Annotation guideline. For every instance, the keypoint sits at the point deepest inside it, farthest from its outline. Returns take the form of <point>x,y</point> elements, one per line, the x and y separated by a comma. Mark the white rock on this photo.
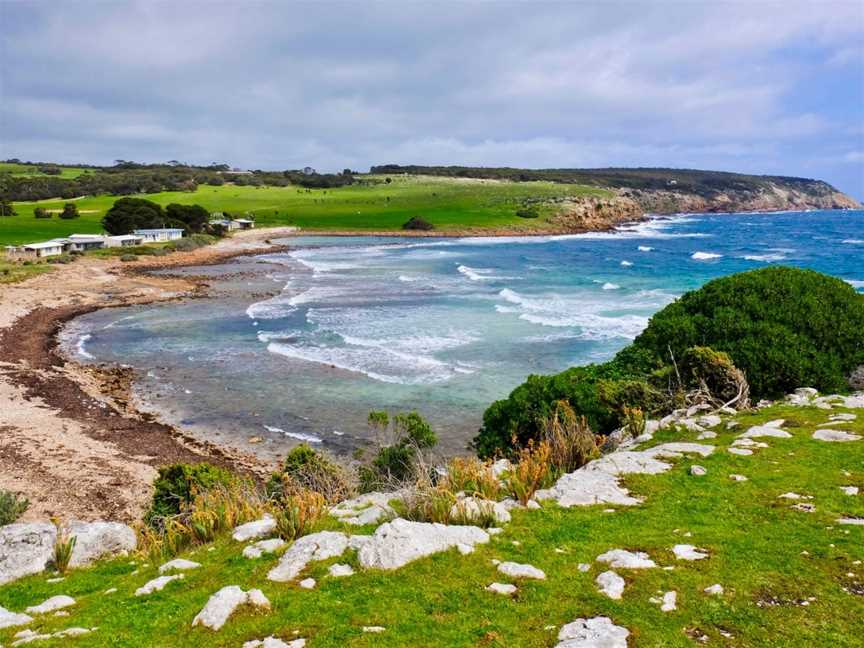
<point>339,570</point>
<point>698,470</point>
<point>50,605</point>
<point>584,567</point>
<point>178,564</point>
<point>709,420</point>
<point>472,509</point>
<point>256,529</point>
<point>357,542</point>
<point>501,588</point>
<point>397,543</point>
<point>464,549</point>
<point>623,559</point>
<point>95,540</point>
<point>9,619</point>
<point>708,434</point>
<point>669,602</point>
<point>223,603</point>
<point>598,632</point>
<point>307,583</point>
<point>676,449</point>
<point>688,552</point>
<point>743,452</point>
<point>851,520</point>
<point>274,642</point>
<point>586,488</point>
<point>738,478</point>
<point>836,436</point>
<point>369,508</point>
<point>748,443</point>
<point>258,549</point>
<point>843,417</point>
<point>110,590</point>
<point>156,584</point>
<point>610,584</point>
<point>715,590</point>
<point>60,579</point>
<point>374,629</point>
<point>25,549</point>
<point>792,496</point>
<point>770,429</point>
<point>849,490</point>
<point>500,467</point>
<point>310,548</point>
<point>518,570</point>
<point>533,505</point>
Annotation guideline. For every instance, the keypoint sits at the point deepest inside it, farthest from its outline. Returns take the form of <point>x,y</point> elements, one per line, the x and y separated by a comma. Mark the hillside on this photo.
<point>757,549</point>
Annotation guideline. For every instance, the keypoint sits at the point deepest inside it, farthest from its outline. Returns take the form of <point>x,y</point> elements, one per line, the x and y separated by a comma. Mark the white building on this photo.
<point>161,234</point>
<point>35,250</point>
<point>123,240</point>
<point>82,242</point>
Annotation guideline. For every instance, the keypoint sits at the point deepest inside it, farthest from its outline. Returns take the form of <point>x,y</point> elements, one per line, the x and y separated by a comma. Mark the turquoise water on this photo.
<point>302,345</point>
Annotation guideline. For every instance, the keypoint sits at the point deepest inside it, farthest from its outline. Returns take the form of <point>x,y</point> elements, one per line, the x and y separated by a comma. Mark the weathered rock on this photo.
<point>369,508</point>
<point>586,488</point>
<point>501,588</point>
<point>849,490</point>
<point>374,629</point>
<point>802,396</point>
<point>678,448</point>
<point>670,600</point>
<point>307,583</point>
<point>338,570</point>
<point>25,549</point>
<point>610,584</point>
<point>769,429</point>
<point>835,436</point>
<point>851,520</point>
<point>688,552</point>
<point>221,605</point>
<point>598,632</point>
<point>709,420</point>
<point>51,605</point>
<point>714,590</point>
<point>742,452</point>
<point>255,529</point>
<point>310,548</point>
<point>698,471</point>
<point>738,478</point>
<point>474,509</point>
<point>258,549</point>
<point>178,564</point>
<point>500,467</point>
<point>805,507</point>
<point>623,559</point>
<point>28,636</point>
<point>583,567</point>
<point>749,443</point>
<point>707,434</point>
<point>518,570</point>
<point>790,495</point>
<point>156,584</point>
<point>400,542</point>
<point>274,642</point>
<point>9,619</point>
<point>95,540</point>
<point>844,416</point>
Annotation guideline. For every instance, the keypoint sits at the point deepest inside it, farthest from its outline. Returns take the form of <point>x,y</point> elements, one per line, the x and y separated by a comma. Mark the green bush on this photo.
<point>528,212</point>
<point>12,506</point>
<point>128,257</point>
<point>177,484</point>
<point>417,223</point>
<point>704,367</point>
<point>401,438</point>
<point>306,469</point>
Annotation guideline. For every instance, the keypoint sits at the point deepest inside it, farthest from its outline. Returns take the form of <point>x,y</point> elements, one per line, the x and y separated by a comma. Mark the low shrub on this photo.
<point>531,472</point>
<point>128,257</point>
<point>712,372</point>
<point>528,212</point>
<point>296,514</point>
<point>472,476</point>
<point>41,212</point>
<point>426,502</point>
<point>417,223</point>
<point>305,469</point>
<point>177,485</point>
<point>401,441</point>
<point>12,506</point>
<point>571,442</point>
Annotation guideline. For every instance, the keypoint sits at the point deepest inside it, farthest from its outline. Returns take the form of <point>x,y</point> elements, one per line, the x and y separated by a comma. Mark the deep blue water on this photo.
<point>441,326</point>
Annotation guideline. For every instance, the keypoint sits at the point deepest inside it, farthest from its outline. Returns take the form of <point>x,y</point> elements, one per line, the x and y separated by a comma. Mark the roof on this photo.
<point>43,245</point>
<point>243,220</point>
<point>125,237</point>
<point>156,231</point>
<point>81,237</point>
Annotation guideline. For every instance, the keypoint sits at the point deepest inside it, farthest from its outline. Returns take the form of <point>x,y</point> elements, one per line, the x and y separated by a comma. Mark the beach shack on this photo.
<point>243,223</point>
<point>35,250</point>
<point>83,242</point>
<point>158,235</point>
<point>124,240</point>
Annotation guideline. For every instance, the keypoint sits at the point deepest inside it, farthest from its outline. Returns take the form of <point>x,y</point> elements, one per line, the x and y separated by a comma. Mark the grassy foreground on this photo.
<point>784,570</point>
<point>371,205</point>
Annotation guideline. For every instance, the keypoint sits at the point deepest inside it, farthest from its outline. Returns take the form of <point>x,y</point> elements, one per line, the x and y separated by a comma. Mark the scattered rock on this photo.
<point>697,470</point>
<point>156,584</point>
<point>60,579</point>
<point>792,496</point>
<point>849,490</point>
<point>738,478</point>
<point>50,605</point>
<point>709,420</point>
<point>740,451</point>
<point>374,629</point>
<point>464,549</point>
<point>502,588</point>
<point>339,570</point>
<point>623,559</point>
<point>769,429</point>
<point>256,529</point>
<point>669,602</point>
<point>110,590</point>
<point>835,436</point>
<point>610,584</point>
<point>517,570</point>
<point>9,619</point>
<point>688,552</point>
<point>178,564</point>
<point>500,467</point>
<point>851,520</point>
<point>369,508</point>
<point>397,543</point>
<point>307,583</point>
<point>842,417</point>
<point>598,632</point>
<point>274,642</point>
<point>584,567</point>
<point>95,540</point>
<point>314,547</point>
<point>474,509</point>
<point>25,549</point>
<point>748,443</point>
<point>258,549</point>
<point>707,434</point>
<point>223,603</point>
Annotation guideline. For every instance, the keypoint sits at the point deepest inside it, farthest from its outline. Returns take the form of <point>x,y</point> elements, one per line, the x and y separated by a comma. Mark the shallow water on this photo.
<point>302,345</point>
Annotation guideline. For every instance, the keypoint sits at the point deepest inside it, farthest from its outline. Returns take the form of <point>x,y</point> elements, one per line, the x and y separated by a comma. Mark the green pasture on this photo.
<point>32,170</point>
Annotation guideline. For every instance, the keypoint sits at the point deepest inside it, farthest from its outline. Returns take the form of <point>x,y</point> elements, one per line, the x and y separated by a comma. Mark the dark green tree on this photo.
<point>128,214</point>
<point>70,211</point>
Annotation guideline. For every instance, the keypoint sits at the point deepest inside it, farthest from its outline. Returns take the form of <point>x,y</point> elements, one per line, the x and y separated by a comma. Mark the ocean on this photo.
<point>300,346</point>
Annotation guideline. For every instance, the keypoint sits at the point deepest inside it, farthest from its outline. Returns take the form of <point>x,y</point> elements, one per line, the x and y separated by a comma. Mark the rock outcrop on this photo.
<point>397,543</point>
<point>95,540</point>
<point>25,549</point>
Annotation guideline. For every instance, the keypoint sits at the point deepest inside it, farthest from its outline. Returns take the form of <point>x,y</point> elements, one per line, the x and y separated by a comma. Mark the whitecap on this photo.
<point>855,283</point>
<point>610,286</point>
<point>626,263</point>
<point>853,241</point>
<point>475,274</point>
<point>767,258</point>
<point>704,256</point>
<point>82,341</point>
<point>309,438</point>
<point>645,248</point>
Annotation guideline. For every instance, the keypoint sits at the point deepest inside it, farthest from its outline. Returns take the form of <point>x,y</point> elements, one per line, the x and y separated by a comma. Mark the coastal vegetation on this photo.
<point>12,506</point>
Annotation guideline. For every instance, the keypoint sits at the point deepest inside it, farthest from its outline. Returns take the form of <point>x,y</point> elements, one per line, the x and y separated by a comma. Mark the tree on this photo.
<point>41,212</point>
<point>70,211</point>
<point>128,214</point>
<point>194,218</point>
<point>6,208</point>
<point>50,170</point>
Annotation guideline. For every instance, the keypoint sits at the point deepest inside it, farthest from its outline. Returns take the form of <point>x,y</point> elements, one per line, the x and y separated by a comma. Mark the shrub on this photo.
<point>571,442</point>
<point>41,212</point>
<point>417,223</point>
<point>305,469</point>
<point>528,212</point>
<point>177,485</point>
<point>401,440</point>
<point>296,514</point>
<point>712,372</point>
<point>472,476</point>
<point>128,257</point>
<point>12,506</point>
<point>70,211</point>
<point>531,472</point>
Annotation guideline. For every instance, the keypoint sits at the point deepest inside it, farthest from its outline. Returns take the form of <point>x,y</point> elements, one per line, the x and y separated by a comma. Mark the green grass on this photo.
<point>446,203</point>
<point>32,170</point>
<point>756,544</point>
<point>13,272</point>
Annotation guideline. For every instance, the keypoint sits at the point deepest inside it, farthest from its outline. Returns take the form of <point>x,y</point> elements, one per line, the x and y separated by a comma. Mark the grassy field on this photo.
<point>32,170</point>
<point>14,272</point>
<point>447,203</point>
<point>791,578</point>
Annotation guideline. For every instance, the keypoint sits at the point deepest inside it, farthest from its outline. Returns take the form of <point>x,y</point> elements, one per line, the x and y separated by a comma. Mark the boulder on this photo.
<point>598,632</point>
<point>369,508</point>
<point>25,549</point>
<point>221,605</point>
<point>51,605</point>
<point>256,529</point>
<point>505,589</point>
<point>310,548</point>
<point>94,540</point>
<point>623,559</point>
<point>156,584</point>
<point>400,542</point>
<point>472,509</point>
<point>835,436</point>
<point>610,584</point>
<point>688,552</point>
<point>9,619</point>
<point>178,564</point>
<point>518,570</point>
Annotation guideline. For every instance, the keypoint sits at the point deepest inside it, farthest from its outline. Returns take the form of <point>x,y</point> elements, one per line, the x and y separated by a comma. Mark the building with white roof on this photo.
<point>161,234</point>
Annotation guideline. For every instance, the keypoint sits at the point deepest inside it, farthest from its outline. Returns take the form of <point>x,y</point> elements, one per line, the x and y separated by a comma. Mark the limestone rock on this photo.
<point>623,559</point>
<point>400,542</point>
<point>708,434</point>
<point>769,429</point>
<point>307,583</point>
<point>9,619</point>
<point>258,549</point>
<point>844,416</point>
<point>738,478</point>
<point>95,540</point>
<point>714,590</point>
<point>374,629</point>
<point>610,584</point>
<point>502,588</point>
<point>688,552</point>
<point>25,549</point>
<point>669,602</point>
<point>52,604</point>
<point>518,570</point>
<point>836,436</point>
<point>709,420</point>
<point>849,490</point>
<point>586,488</point>
<point>314,547</point>
<point>156,584</point>
<point>221,605</point>
<point>678,448</point>
<point>472,509</point>
<point>500,467</point>
<point>851,520</point>
<point>338,571</point>
<point>178,564</point>
<point>698,470</point>
<point>598,632</point>
<point>369,508</point>
<point>274,642</point>
<point>742,452</point>
<point>255,529</point>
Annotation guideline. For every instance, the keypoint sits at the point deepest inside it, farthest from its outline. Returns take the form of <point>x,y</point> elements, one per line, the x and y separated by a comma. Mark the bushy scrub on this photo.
<point>401,440</point>
<point>177,485</point>
<point>12,506</point>
<point>305,469</point>
<point>703,368</point>
<point>417,223</point>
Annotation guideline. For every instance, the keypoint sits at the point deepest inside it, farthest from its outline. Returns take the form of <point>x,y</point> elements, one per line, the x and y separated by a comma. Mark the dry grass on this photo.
<point>473,476</point>
<point>571,442</point>
<point>532,472</point>
<point>296,515</point>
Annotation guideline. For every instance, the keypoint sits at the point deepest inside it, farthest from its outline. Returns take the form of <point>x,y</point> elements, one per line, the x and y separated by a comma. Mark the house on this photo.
<point>124,240</point>
<point>244,223</point>
<point>35,250</point>
<point>161,234</point>
<point>82,242</point>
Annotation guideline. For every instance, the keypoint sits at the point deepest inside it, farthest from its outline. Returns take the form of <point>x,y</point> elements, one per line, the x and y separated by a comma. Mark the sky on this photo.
<point>756,87</point>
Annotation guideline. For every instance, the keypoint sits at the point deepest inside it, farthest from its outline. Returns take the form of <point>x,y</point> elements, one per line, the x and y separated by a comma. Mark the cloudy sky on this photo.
<point>744,86</point>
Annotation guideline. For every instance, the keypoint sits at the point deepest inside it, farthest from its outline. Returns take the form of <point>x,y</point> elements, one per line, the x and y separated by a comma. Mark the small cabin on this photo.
<point>35,250</point>
<point>83,242</point>
<point>123,240</point>
<point>159,235</point>
<point>244,223</point>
